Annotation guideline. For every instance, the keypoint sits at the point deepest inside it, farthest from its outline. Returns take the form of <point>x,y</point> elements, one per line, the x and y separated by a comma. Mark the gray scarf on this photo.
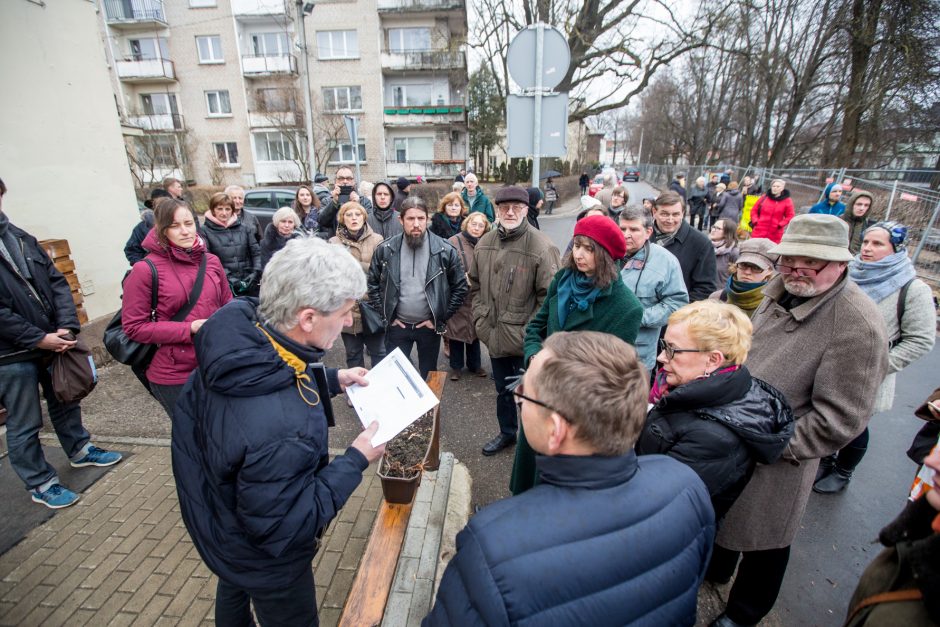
<point>10,249</point>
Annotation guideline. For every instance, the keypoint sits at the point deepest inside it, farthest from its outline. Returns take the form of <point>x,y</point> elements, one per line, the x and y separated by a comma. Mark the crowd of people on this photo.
<point>673,389</point>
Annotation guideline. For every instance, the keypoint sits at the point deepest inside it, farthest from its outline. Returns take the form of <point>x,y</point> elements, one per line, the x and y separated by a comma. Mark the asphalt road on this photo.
<point>828,556</point>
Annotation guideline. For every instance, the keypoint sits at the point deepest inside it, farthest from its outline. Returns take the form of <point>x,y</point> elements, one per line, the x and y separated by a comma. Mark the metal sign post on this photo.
<point>352,127</point>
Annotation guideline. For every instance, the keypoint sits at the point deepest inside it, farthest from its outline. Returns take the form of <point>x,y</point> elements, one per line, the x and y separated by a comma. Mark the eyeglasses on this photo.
<point>802,270</point>
<point>507,207</point>
<point>671,351</point>
<point>749,267</point>
<point>522,397</point>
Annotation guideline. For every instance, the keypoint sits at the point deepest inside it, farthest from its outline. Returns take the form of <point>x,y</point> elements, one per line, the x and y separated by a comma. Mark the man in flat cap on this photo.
<point>511,270</point>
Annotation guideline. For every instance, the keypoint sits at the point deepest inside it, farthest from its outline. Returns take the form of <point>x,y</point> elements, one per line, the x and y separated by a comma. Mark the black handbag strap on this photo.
<point>154,290</point>
<point>194,294</point>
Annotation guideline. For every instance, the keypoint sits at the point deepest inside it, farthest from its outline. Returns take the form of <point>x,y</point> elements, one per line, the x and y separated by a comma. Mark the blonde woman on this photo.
<point>285,226</point>
<point>460,333</point>
<point>451,211</point>
<point>708,411</point>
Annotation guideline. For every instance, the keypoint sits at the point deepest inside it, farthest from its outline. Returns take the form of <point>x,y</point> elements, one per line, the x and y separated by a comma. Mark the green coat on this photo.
<point>616,311</point>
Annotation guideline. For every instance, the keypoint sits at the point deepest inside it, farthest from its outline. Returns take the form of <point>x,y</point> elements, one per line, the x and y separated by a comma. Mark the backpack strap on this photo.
<point>154,289</point>
<point>902,297</point>
<point>194,293</point>
<point>894,596</point>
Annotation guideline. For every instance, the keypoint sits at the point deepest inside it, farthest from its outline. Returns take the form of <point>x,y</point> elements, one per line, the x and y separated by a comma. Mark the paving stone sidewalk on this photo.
<point>122,556</point>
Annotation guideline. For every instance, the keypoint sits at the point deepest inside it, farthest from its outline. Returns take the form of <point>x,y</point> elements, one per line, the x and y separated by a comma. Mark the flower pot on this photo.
<point>396,489</point>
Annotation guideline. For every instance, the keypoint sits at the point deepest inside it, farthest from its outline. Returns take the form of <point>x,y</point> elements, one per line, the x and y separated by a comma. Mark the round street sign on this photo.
<point>555,57</point>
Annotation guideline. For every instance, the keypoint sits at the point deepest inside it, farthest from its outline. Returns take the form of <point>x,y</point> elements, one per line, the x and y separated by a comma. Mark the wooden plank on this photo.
<point>436,379</point>
<point>82,314</point>
<point>72,278</point>
<point>56,248</point>
<point>77,297</point>
<point>365,604</point>
<point>65,266</point>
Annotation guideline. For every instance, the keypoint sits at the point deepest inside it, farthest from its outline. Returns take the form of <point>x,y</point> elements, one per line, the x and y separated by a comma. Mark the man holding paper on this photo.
<point>255,482</point>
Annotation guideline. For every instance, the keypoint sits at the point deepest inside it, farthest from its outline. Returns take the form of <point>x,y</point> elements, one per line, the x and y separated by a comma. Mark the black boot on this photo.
<point>834,482</point>
<point>826,464</point>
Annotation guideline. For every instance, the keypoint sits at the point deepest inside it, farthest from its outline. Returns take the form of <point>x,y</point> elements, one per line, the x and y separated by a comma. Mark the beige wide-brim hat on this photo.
<point>818,236</point>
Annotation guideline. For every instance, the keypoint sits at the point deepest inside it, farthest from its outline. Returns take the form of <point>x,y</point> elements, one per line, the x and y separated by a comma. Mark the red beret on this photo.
<point>605,232</point>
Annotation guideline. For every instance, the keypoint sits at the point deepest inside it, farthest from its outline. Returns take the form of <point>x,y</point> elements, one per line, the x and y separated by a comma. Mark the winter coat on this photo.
<point>584,180</point>
<point>442,226</point>
<point>654,275</point>
<point>616,311</point>
<point>910,339</point>
<point>176,274</point>
<point>460,326</point>
<point>730,204</point>
<point>696,257</point>
<point>604,195</point>
<point>724,257</point>
<point>698,200</point>
<point>910,561</point>
<point>480,203</point>
<point>238,251</point>
<point>255,481</point>
<point>826,206</point>
<point>251,224</point>
<point>362,250</point>
<point>858,225</point>
<point>330,209</point>
<point>445,287</point>
<point>676,187</point>
<point>273,242</point>
<point>509,278</point>
<point>770,216</point>
<point>827,355</point>
<point>133,249</point>
<point>24,320</point>
<point>385,222</point>
<point>601,541</point>
<point>721,427</point>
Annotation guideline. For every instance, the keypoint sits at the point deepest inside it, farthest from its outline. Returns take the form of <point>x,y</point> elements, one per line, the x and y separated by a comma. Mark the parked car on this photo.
<point>264,201</point>
<point>631,174</point>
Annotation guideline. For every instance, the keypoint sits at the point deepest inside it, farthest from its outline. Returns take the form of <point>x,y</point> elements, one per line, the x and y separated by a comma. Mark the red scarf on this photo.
<point>660,388</point>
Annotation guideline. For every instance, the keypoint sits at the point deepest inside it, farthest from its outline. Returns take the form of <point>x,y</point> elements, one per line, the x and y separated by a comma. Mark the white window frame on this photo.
<point>334,92</point>
<point>166,103</point>
<point>284,145</point>
<point>346,147</point>
<point>259,41</point>
<point>202,4</point>
<point>398,37</point>
<point>408,149</point>
<point>329,42</point>
<point>214,43</point>
<point>217,93</point>
<point>403,90</point>
<point>225,155</point>
<point>159,44</point>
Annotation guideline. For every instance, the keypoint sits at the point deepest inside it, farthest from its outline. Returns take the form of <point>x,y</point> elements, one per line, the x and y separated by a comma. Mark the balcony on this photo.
<point>268,65</point>
<point>158,121</point>
<point>415,6</point>
<point>275,119</point>
<point>424,60</point>
<point>134,70</point>
<point>426,169</point>
<point>135,14</point>
<point>425,116</point>
<point>259,8</point>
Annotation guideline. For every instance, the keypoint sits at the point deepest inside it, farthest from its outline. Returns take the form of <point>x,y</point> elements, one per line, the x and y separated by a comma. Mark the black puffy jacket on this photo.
<point>445,285</point>
<point>24,320</point>
<point>236,248</point>
<point>273,242</point>
<point>721,427</point>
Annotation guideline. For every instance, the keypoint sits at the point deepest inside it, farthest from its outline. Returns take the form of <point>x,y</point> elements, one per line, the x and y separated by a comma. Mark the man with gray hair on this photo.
<point>255,481</point>
<point>237,194</point>
<point>655,276</point>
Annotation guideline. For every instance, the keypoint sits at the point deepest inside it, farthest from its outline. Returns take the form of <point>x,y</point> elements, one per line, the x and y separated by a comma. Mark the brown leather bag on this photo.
<point>74,375</point>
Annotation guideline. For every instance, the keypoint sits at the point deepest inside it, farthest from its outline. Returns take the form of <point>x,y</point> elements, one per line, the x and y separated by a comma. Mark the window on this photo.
<point>414,149</point>
<point>337,44</point>
<point>226,153</point>
<point>199,4</point>
<point>274,146</point>
<point>150,48</point>
<point>342,98</point>
<point>218,102</point>
<point>409,39</point>
<point>343,153</point>
<point>210,49</point>
<point>157,150</point>
<point>275,99</point>
<point>269,44</point>
<point>158,104</point>
<point>412,95</point>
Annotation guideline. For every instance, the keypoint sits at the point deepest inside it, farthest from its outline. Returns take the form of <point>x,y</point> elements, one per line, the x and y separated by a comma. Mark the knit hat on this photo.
<point>511,193</point>
<point>535,195</point>
<point>402,183</point>
<point>756,251</point>
<point>158,192</point>
<point>602,230</point>
<point>589,202</point>
<point>815,235</point>
<point>320,178</point>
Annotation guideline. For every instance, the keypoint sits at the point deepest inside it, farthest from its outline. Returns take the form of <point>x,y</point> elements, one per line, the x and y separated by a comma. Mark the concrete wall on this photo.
<point>61,151</point>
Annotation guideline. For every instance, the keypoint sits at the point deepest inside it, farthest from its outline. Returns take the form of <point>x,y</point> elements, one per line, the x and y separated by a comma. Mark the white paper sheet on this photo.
<point>395,397</point>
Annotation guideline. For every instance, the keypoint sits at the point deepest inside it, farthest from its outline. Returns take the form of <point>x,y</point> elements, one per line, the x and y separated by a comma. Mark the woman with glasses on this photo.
<point>885,272</point>
<point>749,275</point>
<point>587,294</point>
<point>707,411</point>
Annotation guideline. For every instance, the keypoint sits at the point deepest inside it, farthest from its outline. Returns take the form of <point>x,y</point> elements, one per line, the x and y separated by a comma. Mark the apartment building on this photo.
<point>211,91</point>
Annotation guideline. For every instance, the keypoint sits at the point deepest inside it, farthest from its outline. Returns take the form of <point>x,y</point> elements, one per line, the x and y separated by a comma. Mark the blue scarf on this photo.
<point>880,279</point>
<point>575,289</point>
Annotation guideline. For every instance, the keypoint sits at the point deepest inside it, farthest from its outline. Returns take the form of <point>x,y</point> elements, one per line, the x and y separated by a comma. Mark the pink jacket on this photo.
<point>176,269</point>
<point>770,216</point>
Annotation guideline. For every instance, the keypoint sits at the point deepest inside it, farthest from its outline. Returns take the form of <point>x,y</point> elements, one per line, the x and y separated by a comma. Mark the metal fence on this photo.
<point>902,195</point>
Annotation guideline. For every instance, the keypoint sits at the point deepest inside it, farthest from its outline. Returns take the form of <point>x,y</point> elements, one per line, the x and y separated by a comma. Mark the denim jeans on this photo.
<point>457,351</point>
<point>19,393</point>
<point>294,605</point>
<point>166,395</point>
<point>504,368</point>
<point>428,341</point>
<point>354,345</point>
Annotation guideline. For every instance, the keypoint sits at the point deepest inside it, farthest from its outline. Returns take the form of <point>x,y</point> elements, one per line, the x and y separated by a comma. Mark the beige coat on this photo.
<point>509,278</point>
<point>460,325</point>
<point>362,250</point>
<point>828,356</point>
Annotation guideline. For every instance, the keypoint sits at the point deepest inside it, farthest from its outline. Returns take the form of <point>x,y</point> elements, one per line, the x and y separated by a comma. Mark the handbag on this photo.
<point>74,375</point>
<point>372,321</point>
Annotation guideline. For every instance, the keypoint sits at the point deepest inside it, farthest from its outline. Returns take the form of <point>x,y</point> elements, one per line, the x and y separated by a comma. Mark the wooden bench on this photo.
<point>365,604</point>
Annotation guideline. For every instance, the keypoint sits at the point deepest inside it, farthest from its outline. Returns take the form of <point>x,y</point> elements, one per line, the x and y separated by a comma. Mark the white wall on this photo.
<point>61,152</point>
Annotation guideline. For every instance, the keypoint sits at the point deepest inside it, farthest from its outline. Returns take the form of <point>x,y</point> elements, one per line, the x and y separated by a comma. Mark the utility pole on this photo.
<point>303,10</point>
<point>639,156</point>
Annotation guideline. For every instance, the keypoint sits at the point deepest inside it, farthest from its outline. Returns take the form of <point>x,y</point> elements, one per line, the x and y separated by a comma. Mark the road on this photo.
<point>828,556</point>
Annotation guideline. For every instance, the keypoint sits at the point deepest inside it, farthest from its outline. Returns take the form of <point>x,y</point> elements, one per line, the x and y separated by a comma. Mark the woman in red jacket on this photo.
<point>772,212</point>
<point>176,250</point>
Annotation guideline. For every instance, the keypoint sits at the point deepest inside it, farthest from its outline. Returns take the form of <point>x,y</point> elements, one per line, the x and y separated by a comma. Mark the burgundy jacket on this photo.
<point>177,270</point>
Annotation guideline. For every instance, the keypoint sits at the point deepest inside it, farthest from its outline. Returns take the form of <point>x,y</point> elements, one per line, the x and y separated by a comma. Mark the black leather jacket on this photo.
<point>445,287</point>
